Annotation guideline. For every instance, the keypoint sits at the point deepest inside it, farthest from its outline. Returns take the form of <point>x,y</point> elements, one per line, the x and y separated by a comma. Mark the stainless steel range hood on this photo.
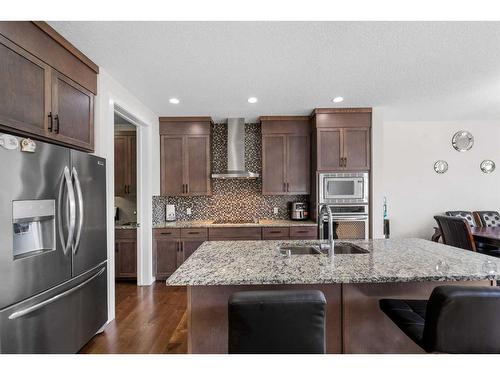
<point>235,151</point>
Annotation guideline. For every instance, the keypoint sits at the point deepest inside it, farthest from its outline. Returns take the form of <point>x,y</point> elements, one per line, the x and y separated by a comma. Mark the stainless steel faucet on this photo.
<point>331,241</point>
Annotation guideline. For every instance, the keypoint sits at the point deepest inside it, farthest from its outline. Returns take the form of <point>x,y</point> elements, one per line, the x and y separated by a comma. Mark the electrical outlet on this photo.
<point>275,210</point>
<point>188,211</point>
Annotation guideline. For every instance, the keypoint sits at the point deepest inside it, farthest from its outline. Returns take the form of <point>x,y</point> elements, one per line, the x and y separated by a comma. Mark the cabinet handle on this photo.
<point>51,122</point>
<point>345,161</point>
<point>275,231</point>
<point>284,186</point>
<point>166,233</point>
<point>287,187</point>
<point>56,119</point>
<point>193,232</point>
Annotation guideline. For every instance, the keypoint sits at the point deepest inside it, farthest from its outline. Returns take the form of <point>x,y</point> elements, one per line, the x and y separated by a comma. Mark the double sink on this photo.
<point>339,248</point>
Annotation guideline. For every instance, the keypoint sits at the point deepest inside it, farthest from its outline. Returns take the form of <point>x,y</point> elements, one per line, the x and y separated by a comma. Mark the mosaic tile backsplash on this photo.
<point>232,199</point>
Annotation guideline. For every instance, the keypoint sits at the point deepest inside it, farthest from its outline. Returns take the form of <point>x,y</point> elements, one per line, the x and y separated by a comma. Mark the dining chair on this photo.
<point>467,215</point>
<point>455,319</point>
<point>456,232</point>
<point>490,219</point>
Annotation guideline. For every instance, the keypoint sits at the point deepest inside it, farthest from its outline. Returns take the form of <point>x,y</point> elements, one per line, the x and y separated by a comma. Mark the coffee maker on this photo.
<point>298,211</point>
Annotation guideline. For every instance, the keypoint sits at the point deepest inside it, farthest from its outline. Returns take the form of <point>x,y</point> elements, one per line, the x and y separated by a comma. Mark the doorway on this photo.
<point>125,207</point>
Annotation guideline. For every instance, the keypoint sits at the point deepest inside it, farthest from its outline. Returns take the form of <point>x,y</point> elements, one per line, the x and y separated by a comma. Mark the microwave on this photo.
<point>340,188</point>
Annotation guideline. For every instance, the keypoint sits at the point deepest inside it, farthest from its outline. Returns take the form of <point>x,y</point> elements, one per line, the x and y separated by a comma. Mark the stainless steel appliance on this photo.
<point>298,211</point>
<point>349,222</point>
<point>343,188</point>
<point>236,167</point>
<point>53,257</point>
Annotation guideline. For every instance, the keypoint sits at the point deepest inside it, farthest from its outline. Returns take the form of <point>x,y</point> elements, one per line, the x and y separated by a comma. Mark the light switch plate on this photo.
<point>188,211</point>
<point>275,210</point>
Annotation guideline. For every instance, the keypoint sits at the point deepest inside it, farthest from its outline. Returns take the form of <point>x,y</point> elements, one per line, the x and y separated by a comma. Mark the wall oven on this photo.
<point>349,222</point>
<point>343,188</point>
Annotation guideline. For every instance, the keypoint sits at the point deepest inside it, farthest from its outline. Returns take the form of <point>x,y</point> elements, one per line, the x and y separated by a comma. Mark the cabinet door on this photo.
<point>132,164</point>
<point>171,160</point>
<point>73,109</point>
<point>121,164</point>
<point>329,149</point>
<point>188,248</point>
<point>298,164</point>
<point>126,260</point>
<point>197,164</point>
<point>356,148</point>
<point>273,164</point>
<point>24,90</point>
<point>166,257</point>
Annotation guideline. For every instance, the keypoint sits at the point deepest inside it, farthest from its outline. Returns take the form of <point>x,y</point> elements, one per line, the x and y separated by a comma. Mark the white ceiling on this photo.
<point>418,70</point>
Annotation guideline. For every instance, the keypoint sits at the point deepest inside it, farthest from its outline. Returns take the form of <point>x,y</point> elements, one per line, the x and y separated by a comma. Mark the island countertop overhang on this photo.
<point>391,260</point>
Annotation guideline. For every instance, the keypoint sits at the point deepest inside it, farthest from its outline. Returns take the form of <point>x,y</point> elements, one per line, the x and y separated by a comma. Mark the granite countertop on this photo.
<point>392,260</point>
<point>260,223</point>
<point>127,226</point>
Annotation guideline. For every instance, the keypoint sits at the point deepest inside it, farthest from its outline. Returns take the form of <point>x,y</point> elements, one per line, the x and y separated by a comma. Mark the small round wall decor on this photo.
<point>462,141</point>
<point>441,166</point>
<point>487,166</point>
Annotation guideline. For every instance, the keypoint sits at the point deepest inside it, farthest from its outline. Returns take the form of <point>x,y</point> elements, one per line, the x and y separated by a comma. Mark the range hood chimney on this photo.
<point>235,151</point>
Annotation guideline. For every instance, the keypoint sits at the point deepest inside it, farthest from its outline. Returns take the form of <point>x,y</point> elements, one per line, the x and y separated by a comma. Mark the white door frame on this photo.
<point>144,273</point>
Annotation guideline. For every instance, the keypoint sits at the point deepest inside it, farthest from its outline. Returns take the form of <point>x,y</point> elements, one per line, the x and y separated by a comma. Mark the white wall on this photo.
<point>110,92</point>
<point>404,153</point>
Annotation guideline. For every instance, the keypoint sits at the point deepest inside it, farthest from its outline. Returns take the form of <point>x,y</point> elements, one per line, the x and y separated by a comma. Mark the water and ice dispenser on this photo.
<point>33,227</point>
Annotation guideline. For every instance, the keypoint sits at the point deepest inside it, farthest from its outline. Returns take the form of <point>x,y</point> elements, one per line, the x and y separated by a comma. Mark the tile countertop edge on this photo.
<point>210,224</point>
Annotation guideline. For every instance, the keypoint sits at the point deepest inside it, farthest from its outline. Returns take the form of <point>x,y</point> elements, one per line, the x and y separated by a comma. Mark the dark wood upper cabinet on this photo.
<point>185,161</point>
<point>273,164</point>
<point>286,150</point>
<point>73,111</point>
<point>125,163</point>
<point>121,145</point>
<point>24,90</point>
<point>342,139</point>
<point>47,86</point>
<point>356,148</point>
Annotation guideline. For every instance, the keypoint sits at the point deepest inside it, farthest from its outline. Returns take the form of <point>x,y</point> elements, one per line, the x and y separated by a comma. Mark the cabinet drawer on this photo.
<point>166,233</point>
<point>275,233</point>
<point>234,234</point>
<point>195,233</point>
<point>299,233</point>
<point>125,233</point>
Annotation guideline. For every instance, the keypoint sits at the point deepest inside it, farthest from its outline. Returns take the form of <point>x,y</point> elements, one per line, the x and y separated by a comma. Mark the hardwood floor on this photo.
<point>149,319</point>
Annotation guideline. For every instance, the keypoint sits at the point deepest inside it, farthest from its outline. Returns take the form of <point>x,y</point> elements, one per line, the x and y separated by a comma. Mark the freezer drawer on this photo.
<point>60,320</point>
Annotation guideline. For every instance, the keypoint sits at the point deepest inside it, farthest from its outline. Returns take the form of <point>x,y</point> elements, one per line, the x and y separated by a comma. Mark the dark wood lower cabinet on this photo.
<point>125,254</point>
<point>172,247</point>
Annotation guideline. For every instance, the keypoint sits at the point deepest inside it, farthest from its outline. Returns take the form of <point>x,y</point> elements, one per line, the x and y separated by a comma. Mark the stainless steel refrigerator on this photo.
<point>53,259</point>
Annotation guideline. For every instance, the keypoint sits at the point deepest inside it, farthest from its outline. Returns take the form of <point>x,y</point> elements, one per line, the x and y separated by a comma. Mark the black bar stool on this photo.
<point>277,322</point>
<point>455,319</point>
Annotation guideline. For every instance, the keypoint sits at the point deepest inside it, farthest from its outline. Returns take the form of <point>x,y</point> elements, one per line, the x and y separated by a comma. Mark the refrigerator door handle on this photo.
<point>38,306</point>
<point>80,209</point>
<point>66,244</point>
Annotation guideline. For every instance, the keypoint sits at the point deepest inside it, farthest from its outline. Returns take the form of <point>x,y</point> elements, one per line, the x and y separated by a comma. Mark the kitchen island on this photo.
<point>352,284</point>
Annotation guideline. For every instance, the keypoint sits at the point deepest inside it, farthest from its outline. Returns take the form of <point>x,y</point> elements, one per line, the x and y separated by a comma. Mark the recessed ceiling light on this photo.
<point>174,101</point>
<point>338,99</point>
<point>252,100</point>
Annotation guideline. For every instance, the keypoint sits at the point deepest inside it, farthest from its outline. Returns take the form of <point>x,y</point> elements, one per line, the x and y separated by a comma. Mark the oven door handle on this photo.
<point>348,218</point>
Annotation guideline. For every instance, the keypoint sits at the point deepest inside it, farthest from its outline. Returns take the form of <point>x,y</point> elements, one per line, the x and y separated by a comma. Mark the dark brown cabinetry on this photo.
<point>125,163</point>
<point>185,149</point>
<point>171,247</point>
<point>46,88</point>
<point>234,234</point>
<point>285,155</point>
<point>125,254</point>
<point>342,139</point>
